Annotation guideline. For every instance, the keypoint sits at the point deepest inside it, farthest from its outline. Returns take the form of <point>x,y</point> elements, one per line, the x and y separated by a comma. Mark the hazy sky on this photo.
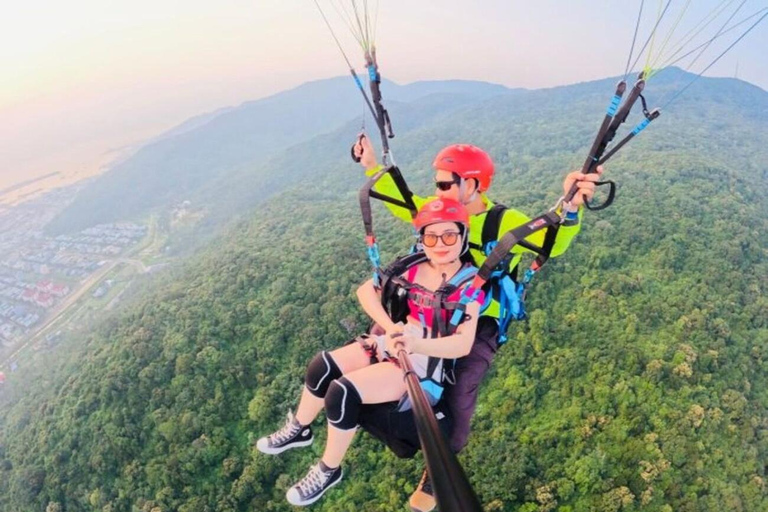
<point>82,77</point>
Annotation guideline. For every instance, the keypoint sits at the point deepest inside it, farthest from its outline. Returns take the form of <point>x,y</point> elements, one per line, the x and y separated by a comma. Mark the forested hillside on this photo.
<point>638,383</point>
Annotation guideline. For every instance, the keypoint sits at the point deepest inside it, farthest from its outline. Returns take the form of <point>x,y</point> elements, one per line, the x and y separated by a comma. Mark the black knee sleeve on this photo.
<point>322,370</point>
<point>342,404</point>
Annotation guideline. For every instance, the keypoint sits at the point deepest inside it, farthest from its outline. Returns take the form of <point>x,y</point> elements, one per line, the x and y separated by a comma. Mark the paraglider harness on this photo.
<point>393,423</point>
<point>503,285</point>
<point>397,291</point>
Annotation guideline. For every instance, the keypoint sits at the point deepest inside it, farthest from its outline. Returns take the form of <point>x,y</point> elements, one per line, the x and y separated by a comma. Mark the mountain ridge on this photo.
<point>637,383</point>
<point>206,148</point>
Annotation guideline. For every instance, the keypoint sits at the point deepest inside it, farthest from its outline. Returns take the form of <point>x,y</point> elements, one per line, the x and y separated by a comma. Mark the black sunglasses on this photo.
<point>445,186</point>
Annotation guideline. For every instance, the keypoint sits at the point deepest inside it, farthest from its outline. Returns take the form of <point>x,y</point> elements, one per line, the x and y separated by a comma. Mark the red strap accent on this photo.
<point>412,273</point>
<point>477,282</point>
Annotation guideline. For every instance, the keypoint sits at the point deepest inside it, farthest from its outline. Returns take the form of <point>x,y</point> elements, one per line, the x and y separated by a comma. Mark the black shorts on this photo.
<point>398,429</point>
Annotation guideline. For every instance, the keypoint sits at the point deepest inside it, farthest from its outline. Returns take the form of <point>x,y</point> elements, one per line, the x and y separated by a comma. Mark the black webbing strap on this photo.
<point>546,248</point>
<point>609,200</point>
<point>614,118</point>
<point>651,116</point>
<point>491,224</point>
<point>491,227</point>
<point>513,238</point>
<point>603,139</point>
<point>382,116</point>
<point>393,272</point>
<point>367,192</point>
<point>596,150</point>
<point>432,363</point>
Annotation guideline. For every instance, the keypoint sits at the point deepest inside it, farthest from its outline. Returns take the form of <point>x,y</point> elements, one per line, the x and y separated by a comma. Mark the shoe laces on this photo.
<point>314,480</point>
<point>288,431</point>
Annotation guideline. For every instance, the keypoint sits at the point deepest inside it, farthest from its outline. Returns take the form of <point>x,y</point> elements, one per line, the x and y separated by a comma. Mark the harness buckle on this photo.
<point>558,204</point>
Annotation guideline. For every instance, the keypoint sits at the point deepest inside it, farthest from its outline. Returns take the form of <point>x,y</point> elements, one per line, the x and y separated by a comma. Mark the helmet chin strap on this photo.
<point>464,241</point>
<point>462,191</point>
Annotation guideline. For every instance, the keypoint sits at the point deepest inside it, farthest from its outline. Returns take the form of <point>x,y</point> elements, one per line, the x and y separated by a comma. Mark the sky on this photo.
<point>85,81</point>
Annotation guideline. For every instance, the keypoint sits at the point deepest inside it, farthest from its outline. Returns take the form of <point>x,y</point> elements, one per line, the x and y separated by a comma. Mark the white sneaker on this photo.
<point>312,487</point>
<point>292,435</point>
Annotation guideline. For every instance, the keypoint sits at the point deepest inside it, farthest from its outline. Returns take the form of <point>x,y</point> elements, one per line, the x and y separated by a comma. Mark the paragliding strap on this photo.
<point>608,201</point>
<point>513,238</point>
<point>653,114</point>
<point>611,122</point>
<point>366,192</point>
<point>613,119</point>
<point>645,107</point>
<point>380,114</point>
<point>387,123</point>
<point>469,294</point>
<point>597,145</point>
<point>510,293</point>
<point>373,252</point>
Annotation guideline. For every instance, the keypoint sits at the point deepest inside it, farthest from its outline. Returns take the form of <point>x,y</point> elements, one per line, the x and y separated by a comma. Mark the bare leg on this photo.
<point>348,358</point>
<point>309,407</point>
<point>381,382</point>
